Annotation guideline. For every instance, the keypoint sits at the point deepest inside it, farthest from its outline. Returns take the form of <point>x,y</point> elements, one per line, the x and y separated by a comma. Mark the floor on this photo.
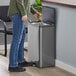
<point>31,71</point>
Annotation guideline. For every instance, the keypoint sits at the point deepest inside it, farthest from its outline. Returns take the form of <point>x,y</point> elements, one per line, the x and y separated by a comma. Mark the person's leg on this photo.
<point>17,36</point>
<point>21,60</point>
<point>21,48</point>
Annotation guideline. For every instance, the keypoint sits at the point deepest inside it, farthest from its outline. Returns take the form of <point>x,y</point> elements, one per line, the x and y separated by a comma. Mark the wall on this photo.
<point>65,34</point>
<point>6,2</point>
<point>32,1</point>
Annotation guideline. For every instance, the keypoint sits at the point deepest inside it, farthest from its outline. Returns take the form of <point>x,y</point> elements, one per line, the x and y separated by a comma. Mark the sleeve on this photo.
<point>21,6</point>
<point>32,11</point>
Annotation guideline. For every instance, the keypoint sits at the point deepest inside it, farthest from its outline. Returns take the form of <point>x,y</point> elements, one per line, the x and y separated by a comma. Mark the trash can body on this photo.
<point>41,44</point>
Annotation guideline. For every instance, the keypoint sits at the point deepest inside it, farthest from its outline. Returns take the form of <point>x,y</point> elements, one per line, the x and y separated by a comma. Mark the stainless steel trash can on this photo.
<point>41,44</point>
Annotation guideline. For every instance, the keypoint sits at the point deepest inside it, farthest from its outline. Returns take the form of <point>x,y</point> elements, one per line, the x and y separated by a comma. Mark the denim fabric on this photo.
<point>17,45</point>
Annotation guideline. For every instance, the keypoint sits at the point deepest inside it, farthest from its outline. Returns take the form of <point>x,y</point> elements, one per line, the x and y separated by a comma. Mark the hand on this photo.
<point>37,15</point>
<point>24,18</point>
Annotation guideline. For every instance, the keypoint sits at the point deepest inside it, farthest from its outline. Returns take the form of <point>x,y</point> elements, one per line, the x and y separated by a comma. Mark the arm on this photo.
<point>21,5</point>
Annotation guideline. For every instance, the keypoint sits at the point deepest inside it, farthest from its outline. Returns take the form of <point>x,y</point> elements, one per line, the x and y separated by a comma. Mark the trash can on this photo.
<point>41,44</point>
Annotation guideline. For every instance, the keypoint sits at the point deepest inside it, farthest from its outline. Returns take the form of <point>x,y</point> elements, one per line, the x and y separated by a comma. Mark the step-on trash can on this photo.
<point>41,42</point>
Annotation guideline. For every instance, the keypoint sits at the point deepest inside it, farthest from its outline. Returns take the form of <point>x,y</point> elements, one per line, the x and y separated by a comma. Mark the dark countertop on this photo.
<point>69,3</point>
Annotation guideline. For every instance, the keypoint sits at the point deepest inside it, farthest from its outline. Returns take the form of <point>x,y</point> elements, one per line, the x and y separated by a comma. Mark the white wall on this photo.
<point>6,2</point>
<point>32,1</point>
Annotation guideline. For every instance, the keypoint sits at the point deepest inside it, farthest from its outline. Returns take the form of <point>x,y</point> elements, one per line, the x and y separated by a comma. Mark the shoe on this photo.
<point>16,69</point>
<point>25,64</point>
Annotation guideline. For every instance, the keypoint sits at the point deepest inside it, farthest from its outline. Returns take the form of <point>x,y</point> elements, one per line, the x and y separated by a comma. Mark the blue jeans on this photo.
<point>17,45</point>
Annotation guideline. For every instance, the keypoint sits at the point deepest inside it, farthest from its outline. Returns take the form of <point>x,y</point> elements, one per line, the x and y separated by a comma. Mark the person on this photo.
<point>18,12</point>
